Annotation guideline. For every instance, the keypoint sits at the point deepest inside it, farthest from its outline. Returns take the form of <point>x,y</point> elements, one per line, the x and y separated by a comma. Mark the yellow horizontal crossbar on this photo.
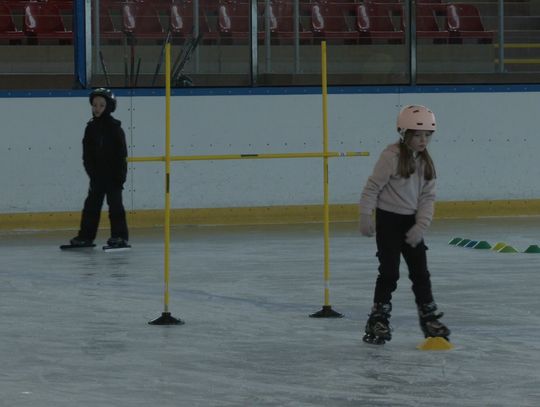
<point>331,154</point>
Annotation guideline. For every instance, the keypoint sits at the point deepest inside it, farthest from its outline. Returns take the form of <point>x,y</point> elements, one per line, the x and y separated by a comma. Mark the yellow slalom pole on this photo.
<point>166,318</point>
<point>167,236</point>
<point>326,311</point>
<point>325,177</point>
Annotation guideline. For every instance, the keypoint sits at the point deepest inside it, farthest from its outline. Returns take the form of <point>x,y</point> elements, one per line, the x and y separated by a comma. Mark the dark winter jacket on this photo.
<point>105,151</point>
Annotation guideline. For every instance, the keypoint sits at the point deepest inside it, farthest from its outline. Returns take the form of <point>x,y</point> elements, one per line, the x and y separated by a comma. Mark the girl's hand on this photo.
<point>414,236</point>
<point>367,225</point>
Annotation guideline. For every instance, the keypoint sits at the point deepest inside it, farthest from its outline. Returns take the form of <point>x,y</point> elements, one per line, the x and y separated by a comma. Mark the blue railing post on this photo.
<point>79,43</point>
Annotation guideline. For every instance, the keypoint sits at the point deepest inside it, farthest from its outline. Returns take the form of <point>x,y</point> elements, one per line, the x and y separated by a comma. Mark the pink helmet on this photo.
<point>415,117</point>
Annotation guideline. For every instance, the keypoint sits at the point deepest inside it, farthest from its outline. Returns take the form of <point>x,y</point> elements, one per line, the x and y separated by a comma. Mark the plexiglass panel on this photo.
<point>270,42</point>
<point>36,44</point>
<point>366,43</point>
<point>209,43</point>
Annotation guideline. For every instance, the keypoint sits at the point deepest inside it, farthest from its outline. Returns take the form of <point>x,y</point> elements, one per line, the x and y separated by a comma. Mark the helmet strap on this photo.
<point>402,141</point>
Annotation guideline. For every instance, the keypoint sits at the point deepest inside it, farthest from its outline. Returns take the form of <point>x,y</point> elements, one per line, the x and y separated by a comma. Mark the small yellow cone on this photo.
<point>507,249</point>
<point>498,246</point>
<point>436,343</point>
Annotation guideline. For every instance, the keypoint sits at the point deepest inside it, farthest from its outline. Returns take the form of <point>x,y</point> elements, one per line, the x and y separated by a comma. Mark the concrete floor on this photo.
<point>74,332</point>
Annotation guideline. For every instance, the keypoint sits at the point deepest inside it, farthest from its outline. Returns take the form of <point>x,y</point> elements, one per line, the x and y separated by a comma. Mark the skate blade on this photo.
<point>374,340</point>
<point>116,249</point>
<point>72,247</point>
<point>435,343</point>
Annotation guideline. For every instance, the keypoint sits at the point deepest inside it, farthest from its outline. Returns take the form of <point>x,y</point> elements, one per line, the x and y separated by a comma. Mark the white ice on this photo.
<point>74,332</point>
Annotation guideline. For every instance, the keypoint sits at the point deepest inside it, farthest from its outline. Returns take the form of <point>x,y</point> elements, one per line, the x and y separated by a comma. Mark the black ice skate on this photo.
<point>378,330</point>
<point>78,243</point>
<point>429,321</point>
<point>116,244</point>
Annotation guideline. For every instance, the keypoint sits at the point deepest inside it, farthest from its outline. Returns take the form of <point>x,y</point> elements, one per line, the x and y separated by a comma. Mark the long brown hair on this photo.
<point>407,164</point>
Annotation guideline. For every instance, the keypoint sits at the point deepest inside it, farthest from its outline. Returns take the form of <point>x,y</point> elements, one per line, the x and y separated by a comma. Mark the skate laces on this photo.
<point>432,317</point>
<point>435,323</point>
<point>429,312</point>
<point>382,327</point>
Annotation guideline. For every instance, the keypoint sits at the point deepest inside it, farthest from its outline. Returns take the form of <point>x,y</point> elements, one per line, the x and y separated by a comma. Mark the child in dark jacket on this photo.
<point>104,159</point>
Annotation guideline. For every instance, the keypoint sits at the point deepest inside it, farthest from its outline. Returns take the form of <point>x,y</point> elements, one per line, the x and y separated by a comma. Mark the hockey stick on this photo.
<point>180,57</point>
<point>104,67</point>
<point>137,73</point>
<point>185,55</point>
<point>126,74</point>
<point>160,60</point>
<point>177,73</point>
<point>132,61</point>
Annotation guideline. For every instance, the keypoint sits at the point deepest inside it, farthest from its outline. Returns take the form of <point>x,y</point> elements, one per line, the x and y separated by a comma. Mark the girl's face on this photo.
<point>98,105</point>
<point>419,139</point>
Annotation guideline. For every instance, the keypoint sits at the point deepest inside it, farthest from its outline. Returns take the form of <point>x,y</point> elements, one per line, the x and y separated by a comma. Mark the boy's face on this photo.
<point>98,105</point>
<point>419,140</point>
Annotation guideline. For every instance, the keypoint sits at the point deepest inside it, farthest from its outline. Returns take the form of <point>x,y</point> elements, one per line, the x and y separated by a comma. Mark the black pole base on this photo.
<point>166,319</point>
<point>326,312</point>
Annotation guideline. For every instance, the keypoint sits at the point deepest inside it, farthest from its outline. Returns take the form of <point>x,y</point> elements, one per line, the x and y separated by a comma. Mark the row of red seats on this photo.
<point>364,22</point>
<point>458,21</point>
<point>40,21</point>
<point>17,6</point>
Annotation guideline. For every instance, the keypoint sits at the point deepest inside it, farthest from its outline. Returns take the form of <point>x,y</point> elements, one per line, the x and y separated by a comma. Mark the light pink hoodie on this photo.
<point>387,190</point>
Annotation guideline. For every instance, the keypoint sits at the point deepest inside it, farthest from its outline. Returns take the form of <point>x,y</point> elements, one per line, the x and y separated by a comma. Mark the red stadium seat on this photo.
<point>181,21</point>
<point>334,21</point>
<point>282,22</point>
<point>62,5</point>
<point>272,17</point>
<point>464,21</point>
<point>141,22</point>
<point>385,2</point>
<point>43,21</point>
<point>233,21</point>
<point>107,29</point>
<point>374,23</point>
<point>427,26</point>
<point>8,31</point>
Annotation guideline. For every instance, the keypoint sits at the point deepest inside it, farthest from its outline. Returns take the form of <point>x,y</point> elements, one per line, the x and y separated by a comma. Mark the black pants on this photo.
<point>391,229</point>
<point>92,211</point>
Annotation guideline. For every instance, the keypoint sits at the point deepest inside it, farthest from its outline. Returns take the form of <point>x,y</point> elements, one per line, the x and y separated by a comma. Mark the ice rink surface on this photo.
<point>74,329</point>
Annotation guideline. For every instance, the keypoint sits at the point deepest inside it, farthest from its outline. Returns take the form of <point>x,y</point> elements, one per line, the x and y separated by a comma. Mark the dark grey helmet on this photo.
<point>107,94</point>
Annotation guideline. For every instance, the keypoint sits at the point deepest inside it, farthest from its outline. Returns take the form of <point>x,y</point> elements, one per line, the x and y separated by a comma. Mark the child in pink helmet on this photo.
<point>401,193</point>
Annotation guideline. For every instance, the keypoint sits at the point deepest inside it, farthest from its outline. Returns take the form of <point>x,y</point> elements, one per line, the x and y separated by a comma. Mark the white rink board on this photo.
<point>484,149</point>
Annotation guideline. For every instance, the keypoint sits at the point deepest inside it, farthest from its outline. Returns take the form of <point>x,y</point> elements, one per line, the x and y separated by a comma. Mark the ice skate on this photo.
<point>78,243</point>
<point>378,330</point>
<point>429,321</point>
<point>116,244</point>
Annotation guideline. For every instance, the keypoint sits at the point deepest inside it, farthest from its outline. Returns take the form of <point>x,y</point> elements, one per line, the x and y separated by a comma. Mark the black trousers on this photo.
<point>390,235</point>
<point>92,211</point>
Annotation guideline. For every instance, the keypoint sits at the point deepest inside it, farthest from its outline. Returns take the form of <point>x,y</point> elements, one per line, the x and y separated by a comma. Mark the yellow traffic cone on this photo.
<point>435,343</point>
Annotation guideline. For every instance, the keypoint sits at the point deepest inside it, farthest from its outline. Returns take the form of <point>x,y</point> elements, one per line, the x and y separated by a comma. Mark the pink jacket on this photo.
<point>387,190</point>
